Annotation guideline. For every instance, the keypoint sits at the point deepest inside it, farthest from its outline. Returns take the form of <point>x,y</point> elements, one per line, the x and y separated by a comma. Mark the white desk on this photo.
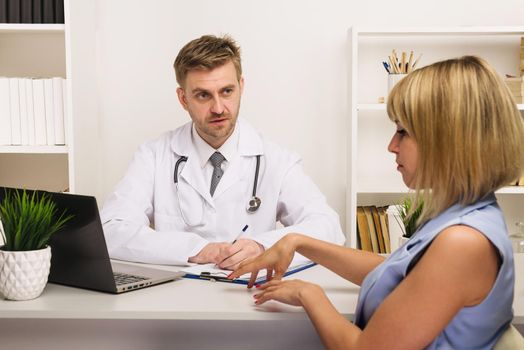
<point>183,314</point>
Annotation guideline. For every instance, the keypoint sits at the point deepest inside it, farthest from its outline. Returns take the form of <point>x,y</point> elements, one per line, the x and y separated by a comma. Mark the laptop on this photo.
<point>79,256</point>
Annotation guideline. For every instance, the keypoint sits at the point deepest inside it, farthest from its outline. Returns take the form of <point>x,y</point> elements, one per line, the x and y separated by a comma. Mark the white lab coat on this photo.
<point>142,218</point>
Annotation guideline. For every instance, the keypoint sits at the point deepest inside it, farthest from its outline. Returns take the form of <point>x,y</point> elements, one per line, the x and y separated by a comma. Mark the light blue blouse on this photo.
<point>477,327</point>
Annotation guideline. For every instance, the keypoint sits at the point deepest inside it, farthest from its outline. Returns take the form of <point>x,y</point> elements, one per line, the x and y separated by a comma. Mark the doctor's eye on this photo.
<point>202,95</point>
<point>228,91</point>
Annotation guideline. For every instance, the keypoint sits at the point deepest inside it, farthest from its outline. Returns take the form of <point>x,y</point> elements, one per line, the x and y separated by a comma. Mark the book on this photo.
<point>49,111</point>
<point>48,11</point>
<point>30,112</point>
<point>59,11</point>
<point>372,231</point>
<point>378,229</point>
<point>363,230</point>
<point>3,11</point>
<point>5,112</point>
<point>66,112</point>
<point>24,119</point>
<point>58,110</point>
<point>26,11</point>
<point>37,11</point>
<point>211,272</point>
<point>14,104</point>
<point>39,111</point>
<point>385,227</point>
<point>13,11</point>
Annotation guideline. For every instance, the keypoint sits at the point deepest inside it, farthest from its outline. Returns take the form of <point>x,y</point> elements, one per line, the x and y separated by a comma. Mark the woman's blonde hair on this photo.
<point>468,131</point>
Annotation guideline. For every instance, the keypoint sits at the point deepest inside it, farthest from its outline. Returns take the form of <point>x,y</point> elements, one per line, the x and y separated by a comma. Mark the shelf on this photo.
<point>403,190</point>
<point>34,149</point>
<point>511,190</point>
<point>382,106</point>
<point>372,179</point>
<point>31,28</point>
<point>424,31</point>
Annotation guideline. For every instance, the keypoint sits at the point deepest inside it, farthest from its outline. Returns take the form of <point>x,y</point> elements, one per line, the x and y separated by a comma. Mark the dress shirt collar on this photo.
<point>229,149</point>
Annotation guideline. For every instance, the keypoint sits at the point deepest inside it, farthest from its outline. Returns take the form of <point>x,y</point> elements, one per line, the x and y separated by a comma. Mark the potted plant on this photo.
<point>408,216</point>
<point>28,222</point>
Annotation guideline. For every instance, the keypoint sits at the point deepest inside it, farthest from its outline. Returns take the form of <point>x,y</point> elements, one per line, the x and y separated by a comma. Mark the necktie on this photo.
<point>216,160</point>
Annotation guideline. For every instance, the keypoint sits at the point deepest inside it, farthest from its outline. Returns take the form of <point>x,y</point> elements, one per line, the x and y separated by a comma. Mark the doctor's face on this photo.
<point>212,98</point>
<point>405,149</point>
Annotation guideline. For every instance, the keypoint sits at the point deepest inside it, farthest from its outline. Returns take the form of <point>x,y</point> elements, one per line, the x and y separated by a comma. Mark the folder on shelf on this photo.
<point>49,111</point>
<point>378,229</point>
<point>24,117</point>
<point>14,103</point>
<point>383,216</point>
<point>372,230</point>
<point>211,272</point>
<point>30,111</point>
<point>58,110</point>
<point>39,111</point>
<point>5,112</point>
<point>363,230</point>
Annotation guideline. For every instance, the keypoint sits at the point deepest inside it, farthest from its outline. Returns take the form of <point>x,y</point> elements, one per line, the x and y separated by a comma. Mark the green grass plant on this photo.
<point>29,220</point>
<point>409,216</point>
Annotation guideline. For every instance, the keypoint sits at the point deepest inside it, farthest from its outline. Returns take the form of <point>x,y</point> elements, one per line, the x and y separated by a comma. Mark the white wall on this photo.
<point>294,55</point>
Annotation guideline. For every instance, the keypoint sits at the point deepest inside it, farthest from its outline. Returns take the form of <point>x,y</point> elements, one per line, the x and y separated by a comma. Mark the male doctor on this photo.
<point>213,190</point>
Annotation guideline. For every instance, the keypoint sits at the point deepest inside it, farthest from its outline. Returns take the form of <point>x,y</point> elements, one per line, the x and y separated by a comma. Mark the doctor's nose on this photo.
<point>217,106</point>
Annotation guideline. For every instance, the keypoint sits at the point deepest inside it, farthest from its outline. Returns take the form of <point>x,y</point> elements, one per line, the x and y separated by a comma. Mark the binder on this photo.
<point>211,273</point>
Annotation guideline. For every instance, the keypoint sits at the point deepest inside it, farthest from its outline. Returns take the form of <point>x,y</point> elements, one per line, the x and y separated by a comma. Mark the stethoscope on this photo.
<point>254,202</point>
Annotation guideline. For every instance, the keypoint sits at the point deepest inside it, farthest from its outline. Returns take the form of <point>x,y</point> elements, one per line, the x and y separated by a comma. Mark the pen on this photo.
<point>243,230</point>
<point>386,66</point>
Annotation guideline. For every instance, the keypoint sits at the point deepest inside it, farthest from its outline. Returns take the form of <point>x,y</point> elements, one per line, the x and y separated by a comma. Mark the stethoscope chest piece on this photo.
<point>253,204</point>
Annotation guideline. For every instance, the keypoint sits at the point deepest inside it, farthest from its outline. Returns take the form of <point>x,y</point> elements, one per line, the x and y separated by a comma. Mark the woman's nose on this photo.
<point>393,144</point>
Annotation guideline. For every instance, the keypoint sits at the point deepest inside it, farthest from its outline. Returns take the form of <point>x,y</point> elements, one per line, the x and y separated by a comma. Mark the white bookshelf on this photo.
<point>372,177</point>
<point>39,51</point>
<point>56,50</point>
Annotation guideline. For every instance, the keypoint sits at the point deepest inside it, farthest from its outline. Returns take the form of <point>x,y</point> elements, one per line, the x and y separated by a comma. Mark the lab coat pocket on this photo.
<point>169,222</point>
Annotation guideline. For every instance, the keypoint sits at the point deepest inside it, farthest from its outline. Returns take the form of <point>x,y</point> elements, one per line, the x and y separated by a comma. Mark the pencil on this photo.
<point>394,67</point>
<point>410,62</point>
<point>415,64</point>
<point>403,63</point>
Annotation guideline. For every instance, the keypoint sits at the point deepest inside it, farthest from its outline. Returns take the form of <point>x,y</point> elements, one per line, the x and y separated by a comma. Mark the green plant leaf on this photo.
<point>29,221</point>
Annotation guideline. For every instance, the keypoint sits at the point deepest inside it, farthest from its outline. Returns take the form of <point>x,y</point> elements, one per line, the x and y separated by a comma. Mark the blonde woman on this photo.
<point>458,139</point>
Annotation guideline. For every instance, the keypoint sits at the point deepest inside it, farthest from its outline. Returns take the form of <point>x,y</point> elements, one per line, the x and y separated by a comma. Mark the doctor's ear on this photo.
<point>182,97</point>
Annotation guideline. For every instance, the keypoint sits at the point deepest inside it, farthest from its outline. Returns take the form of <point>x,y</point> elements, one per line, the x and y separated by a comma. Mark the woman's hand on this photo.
<point>292,292</point>
<point>275,260</point>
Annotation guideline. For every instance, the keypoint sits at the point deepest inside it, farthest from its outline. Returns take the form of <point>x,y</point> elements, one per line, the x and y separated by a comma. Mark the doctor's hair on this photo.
<point>467,128</point>
<point>206,53</point>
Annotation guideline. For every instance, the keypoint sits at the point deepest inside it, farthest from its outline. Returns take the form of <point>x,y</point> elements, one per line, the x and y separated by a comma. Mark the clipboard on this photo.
<point>209,272</point>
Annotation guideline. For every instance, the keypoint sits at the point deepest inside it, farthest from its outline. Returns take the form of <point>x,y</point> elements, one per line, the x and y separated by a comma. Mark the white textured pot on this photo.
<point>23,274</point>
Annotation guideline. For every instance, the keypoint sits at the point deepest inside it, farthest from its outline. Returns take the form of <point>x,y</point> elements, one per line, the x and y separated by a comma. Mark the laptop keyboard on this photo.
<point>124,278</point>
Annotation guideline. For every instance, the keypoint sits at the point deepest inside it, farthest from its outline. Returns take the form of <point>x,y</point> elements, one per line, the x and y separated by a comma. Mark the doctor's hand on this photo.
<point>275,260</point>
<point>239,251</point>
<point>211,253</point>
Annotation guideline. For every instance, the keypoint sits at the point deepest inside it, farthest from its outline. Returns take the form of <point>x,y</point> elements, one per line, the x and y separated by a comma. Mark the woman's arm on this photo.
<point>458,270</point>
<point>350,264</point>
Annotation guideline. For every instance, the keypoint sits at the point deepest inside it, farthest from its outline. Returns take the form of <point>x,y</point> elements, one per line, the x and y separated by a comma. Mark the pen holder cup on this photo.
<point>393,79</point>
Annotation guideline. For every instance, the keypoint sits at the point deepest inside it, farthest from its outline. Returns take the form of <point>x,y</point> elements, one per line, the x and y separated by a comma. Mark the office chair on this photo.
<point>510,340</point>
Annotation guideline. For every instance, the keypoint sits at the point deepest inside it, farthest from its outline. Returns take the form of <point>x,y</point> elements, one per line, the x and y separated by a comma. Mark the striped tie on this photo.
<point>216,160</point>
